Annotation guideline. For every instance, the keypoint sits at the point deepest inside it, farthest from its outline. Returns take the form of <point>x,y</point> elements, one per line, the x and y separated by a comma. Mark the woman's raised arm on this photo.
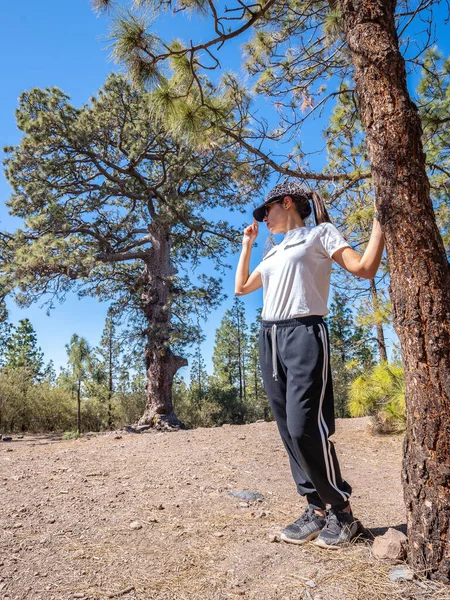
<point>246,283</point>
<point>365,266</point>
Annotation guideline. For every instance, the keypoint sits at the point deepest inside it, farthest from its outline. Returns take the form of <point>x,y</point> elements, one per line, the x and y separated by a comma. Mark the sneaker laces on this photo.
<point>305,517</point>
<point>308,516</point>
<point>334,521</point>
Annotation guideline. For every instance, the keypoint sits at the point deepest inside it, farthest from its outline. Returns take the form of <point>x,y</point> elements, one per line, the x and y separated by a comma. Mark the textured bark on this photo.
<point>379,327</point>
<point>161,364</point>
<point>420,281</point>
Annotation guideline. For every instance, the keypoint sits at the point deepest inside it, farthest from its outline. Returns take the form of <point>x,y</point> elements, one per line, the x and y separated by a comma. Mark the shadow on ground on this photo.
<point>376,531</point>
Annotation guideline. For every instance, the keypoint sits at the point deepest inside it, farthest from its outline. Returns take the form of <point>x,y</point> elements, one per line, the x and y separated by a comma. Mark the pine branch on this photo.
<point>293,172</point>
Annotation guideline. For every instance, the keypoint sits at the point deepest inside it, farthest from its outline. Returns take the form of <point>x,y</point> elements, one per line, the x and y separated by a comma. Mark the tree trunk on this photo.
<point>160,362</point>
<point>420,280</point>
<point>79,407</point>
<point>379,326</point>
<point>110,383</point>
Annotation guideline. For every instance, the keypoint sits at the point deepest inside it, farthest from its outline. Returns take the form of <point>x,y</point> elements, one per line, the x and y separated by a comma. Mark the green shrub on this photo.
<point>70,435</point>
<point>29,406</point>
<point>50,408</point>
<point>381,394</point>
<point>128,407</point>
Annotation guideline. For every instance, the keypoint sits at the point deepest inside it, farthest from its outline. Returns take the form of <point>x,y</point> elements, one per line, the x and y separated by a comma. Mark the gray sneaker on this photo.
<point>304,529</point>
<point>341,527</point>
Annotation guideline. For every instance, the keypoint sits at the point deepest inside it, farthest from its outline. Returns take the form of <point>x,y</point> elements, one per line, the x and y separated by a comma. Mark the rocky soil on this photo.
<point>149,516</point>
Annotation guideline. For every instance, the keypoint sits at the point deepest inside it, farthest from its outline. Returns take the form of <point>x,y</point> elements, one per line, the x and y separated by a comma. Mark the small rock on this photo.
<point>247,496</point>
<point>273,537</point>
<point>243,505</point>
<point>310,583</point>
<point>7,438</point>
<point>219,534</point>
<point>9,450</point>
<point>79,595</point>
<point>259,514</point>
<point>160,507</point>
<point>391,545</point>
<point>135,525</point>
<point>401,573</point>
<point>117,437</point>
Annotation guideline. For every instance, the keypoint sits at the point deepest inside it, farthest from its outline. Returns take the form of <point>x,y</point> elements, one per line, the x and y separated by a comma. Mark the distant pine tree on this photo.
<point>23,351</point>
<point>351,351</point>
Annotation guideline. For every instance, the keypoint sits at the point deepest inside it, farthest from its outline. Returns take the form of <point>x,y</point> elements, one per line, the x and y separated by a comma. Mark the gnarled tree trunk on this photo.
<point>420,281</point>
<point>160,362</point>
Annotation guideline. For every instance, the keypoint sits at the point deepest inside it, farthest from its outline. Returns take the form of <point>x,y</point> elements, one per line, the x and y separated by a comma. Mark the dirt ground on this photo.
<point>149,516</point>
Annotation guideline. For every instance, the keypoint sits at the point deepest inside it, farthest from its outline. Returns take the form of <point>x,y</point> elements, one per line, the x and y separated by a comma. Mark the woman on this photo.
<point>294,349</point>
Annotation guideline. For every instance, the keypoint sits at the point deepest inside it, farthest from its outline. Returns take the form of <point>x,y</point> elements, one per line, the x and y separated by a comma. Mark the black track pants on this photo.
<point>295,365</point>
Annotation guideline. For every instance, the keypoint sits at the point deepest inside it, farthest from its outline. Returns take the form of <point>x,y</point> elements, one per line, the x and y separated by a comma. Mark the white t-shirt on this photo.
<point>296,273</point>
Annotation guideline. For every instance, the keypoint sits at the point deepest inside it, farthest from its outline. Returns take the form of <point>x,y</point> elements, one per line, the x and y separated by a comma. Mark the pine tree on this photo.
<point>113,205</point>
<point>351,351</point>
<point>109,351</point>
<point>380,392</point>
<point>79,369</point>
<point>340,331</point>
<point>229,386</point>
<point>241,341</point>
<point>434,106</point>
<point>230,350</point>
<point>22,350</point>
<point>256,395</point>
<point>49,374</point>
<point>5,332</point>
<point>199,377</point>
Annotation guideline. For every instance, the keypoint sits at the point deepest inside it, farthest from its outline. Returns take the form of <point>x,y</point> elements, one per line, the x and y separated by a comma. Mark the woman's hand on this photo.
<point>375,212</point>
<point>250,233</point>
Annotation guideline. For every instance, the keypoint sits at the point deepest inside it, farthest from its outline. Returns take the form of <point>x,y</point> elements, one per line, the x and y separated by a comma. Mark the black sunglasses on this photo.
<point>276,200</point>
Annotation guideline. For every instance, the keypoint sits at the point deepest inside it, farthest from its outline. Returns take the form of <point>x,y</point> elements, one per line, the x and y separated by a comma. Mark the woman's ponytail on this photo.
<point>320,212</point>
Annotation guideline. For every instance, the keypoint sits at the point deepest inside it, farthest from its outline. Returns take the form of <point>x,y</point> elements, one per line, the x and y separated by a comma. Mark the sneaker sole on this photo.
<point>323,544</point>
<point>289,540</point>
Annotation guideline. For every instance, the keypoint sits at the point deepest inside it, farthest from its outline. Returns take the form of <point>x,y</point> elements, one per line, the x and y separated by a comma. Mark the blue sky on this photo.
<point>64,44</point>
<point>60,44</point>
